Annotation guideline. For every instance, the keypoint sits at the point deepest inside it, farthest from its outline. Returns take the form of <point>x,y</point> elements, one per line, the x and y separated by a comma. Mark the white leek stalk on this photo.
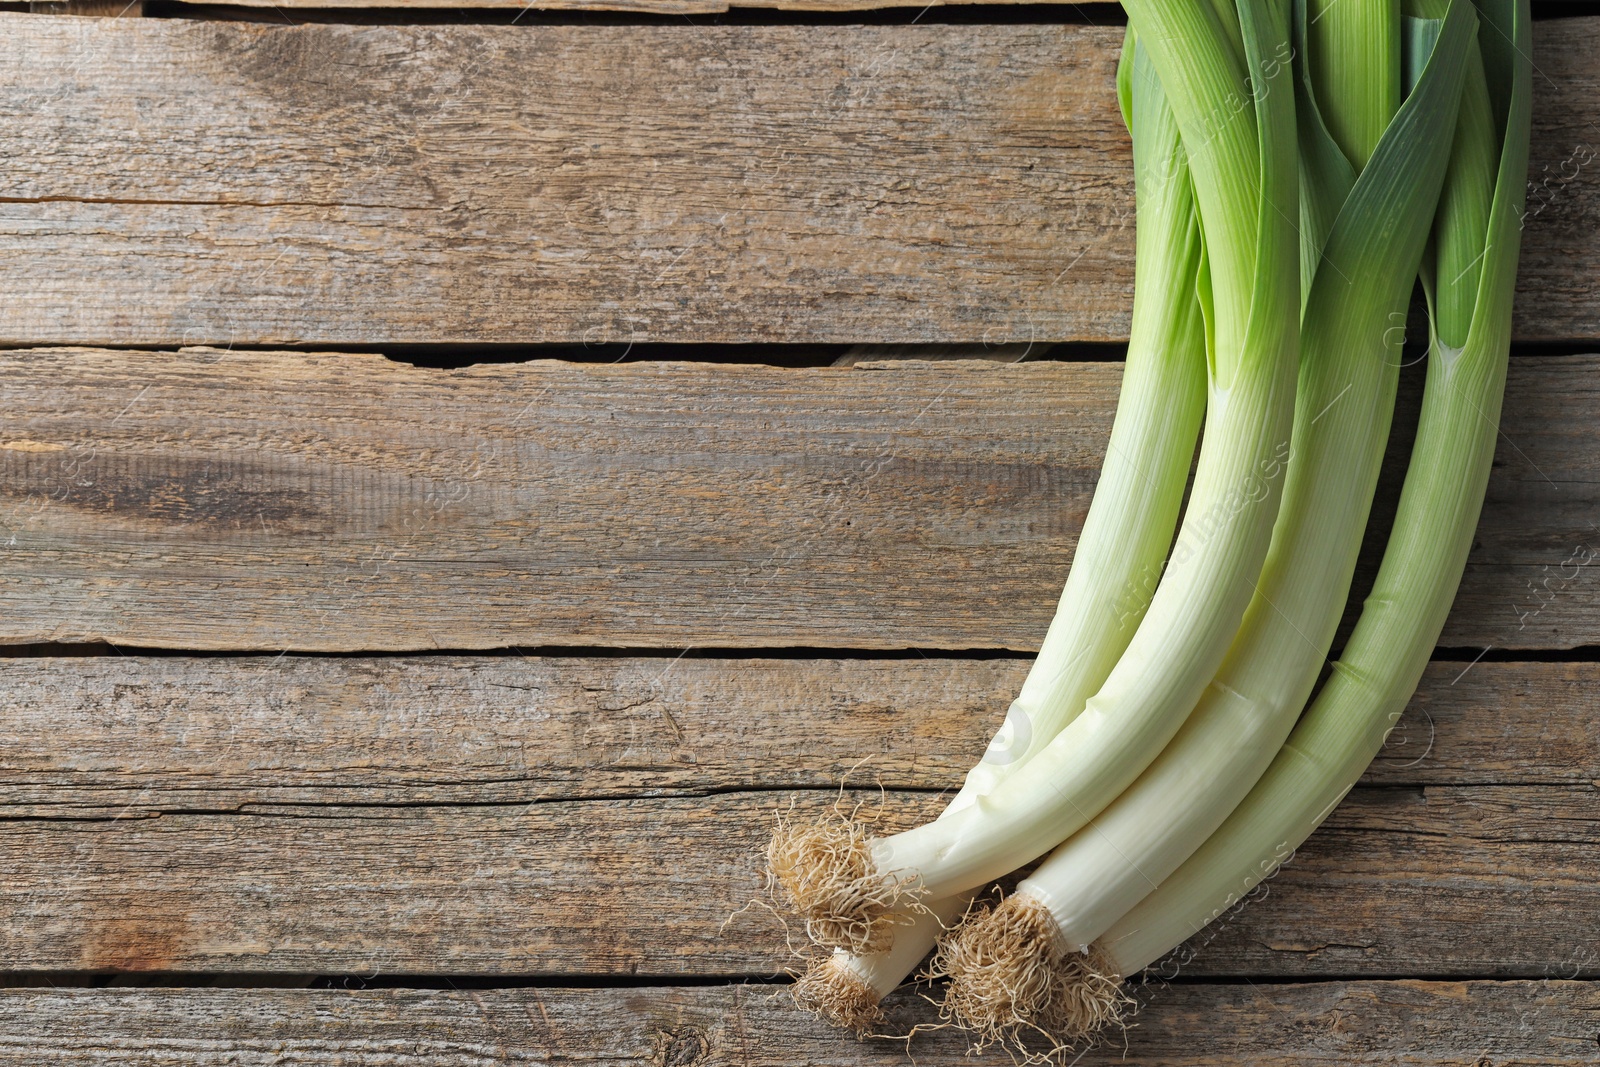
<point>1124,539</point>
<point>1242,162</point>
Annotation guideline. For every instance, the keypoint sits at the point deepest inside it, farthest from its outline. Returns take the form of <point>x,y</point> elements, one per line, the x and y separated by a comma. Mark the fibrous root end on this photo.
<point>1012,974</point>
<point>826,872</point>
<point>836,994</point>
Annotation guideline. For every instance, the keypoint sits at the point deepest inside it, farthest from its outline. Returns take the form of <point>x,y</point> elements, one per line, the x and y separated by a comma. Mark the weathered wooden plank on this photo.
<point>1479,724</point>
<point>1427,881</point>
<point>1400,879</point>
<point>136,736</point>
<point>219,815</point>
<point>1445,1024</point>
<point>336,502</point>
<point>258,500</point>
<point>1562,216</point>
<point>133,736</point>
<point>368,184</point>
<point>562,183</point>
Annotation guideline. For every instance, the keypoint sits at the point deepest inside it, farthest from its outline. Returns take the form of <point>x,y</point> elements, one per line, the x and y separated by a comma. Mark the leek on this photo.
<point>1237,123</point>
<point>1124,539</point>
<point>1029,963</point>
<point>1470,319</point>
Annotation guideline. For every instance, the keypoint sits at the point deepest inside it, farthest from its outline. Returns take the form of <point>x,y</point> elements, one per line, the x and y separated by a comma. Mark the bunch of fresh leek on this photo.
<point>1284,208</point>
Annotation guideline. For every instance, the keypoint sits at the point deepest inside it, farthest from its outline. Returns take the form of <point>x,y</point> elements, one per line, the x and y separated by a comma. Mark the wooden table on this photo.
<point>445,522</point>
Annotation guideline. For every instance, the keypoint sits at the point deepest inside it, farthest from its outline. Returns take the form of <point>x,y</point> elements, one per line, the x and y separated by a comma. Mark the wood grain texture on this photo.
<point>562,183</point>
<point>136,736</point>
<point>1491,881</point>
<point>604,815</point>
<point>1420,1024</point>
<point>600,817</point>
<point>366,184</point>
<point>1561,221</point>
<point>256,500</point>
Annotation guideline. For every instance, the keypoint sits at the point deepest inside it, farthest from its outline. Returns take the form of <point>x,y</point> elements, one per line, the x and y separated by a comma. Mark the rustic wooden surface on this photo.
<point>259,500</point>
<point>366,184</point>
<point>601,816</point>
<point>1423,1024</point>
<point>549,844</point>
<point>563,183</point>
